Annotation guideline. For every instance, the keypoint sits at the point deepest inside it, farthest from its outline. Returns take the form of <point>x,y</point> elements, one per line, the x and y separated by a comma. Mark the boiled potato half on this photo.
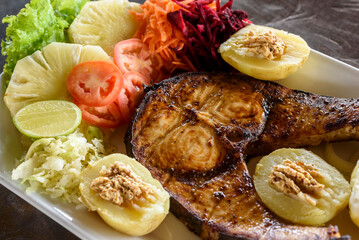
<point>300,187</point>
<point>265,53</point>
<point>136,217</point>
<point>354,197</point>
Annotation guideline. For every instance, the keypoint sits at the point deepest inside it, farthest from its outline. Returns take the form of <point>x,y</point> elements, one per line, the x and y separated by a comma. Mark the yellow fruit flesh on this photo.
<point>130,219</point>
<point>43,75</point>
<point>104,23</point>
<point>295,210</point>
<point>295,54</point>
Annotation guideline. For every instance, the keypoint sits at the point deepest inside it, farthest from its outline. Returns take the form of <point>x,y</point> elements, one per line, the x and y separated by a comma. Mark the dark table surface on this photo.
<point>330,26</point>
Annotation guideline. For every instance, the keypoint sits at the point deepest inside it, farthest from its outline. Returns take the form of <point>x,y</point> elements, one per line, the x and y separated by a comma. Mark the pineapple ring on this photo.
<point>307,207</point>
<point>104,23</point>
<point>43,75</point>
<point>296,52</point>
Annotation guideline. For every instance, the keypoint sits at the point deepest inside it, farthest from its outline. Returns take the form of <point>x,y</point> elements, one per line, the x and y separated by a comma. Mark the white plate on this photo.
<point>320,74</point>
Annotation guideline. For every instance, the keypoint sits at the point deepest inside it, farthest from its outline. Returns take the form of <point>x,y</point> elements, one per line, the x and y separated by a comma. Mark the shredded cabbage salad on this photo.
<point>53,165</point>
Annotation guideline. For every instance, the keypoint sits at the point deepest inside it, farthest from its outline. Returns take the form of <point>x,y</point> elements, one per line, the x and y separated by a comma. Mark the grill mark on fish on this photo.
<point>217,200</point>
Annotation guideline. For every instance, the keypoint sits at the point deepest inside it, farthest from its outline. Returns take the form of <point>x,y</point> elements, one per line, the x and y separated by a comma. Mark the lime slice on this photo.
<point>48,119</point>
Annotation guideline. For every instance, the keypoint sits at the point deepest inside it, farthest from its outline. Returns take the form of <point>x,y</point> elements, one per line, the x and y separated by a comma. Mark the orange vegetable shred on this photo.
<point>159,34</point>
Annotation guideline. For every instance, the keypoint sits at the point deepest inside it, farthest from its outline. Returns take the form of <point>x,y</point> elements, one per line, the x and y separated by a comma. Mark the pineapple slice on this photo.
<point>104,23</point>
<point>300,187</point>
<point>265,53</point>
<point>43,75</point>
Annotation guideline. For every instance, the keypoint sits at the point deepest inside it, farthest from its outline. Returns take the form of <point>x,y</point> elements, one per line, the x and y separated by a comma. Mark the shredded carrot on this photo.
<point>157,32</point>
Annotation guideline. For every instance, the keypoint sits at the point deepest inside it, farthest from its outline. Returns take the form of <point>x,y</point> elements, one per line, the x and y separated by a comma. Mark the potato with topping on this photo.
<point>300,187</point>
<point>124,194</point>
<point>265,53</point>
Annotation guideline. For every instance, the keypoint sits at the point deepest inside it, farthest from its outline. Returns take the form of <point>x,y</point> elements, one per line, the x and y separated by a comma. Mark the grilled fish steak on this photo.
<point>193,132</point>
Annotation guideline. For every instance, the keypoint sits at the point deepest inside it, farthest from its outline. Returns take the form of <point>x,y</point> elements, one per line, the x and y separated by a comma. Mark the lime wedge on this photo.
<point>48,119</point>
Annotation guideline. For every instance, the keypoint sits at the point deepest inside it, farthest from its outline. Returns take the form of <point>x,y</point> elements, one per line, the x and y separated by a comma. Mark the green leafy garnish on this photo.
<point>68,9</point>
<point>38,24</point>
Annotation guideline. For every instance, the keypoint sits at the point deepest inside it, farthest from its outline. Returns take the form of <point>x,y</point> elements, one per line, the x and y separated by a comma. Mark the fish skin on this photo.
<point>305,119</point>
<point>211,190</point>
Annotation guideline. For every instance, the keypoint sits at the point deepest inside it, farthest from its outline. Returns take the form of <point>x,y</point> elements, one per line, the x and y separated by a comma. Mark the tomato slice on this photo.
<point>95,83</point>
<point>107,116</point>
<point>134,83</point>
<point>123,106</point>
<point>132,94</point>
<point>133,55</point>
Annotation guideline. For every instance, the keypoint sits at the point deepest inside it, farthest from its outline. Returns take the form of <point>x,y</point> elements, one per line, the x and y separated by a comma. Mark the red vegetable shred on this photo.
<point>205,26</point>
<point>161,37</point>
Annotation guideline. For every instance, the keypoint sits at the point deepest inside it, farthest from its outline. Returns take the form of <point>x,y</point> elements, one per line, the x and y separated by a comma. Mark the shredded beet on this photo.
<point>205,27</point>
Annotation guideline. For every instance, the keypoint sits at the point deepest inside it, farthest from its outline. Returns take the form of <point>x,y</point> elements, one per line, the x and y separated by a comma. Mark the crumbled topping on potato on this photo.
<point>266,45</point>
<point>120,184</point>
<point>298,180</point>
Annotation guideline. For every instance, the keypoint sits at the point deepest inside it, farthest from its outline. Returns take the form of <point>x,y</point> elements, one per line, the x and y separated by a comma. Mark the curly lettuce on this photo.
<point>67,9</point>
<point>38,24</point>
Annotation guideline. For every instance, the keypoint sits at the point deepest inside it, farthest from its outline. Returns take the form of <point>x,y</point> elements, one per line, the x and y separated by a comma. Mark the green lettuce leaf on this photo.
<point>68,9</point>
<point>38,24</point>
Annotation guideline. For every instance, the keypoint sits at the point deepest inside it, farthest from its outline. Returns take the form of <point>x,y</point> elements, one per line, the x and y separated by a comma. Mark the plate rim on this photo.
<point>50,211</point>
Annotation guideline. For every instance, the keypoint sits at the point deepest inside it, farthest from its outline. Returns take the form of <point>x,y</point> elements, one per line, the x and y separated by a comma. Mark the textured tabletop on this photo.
<point>330,26</point>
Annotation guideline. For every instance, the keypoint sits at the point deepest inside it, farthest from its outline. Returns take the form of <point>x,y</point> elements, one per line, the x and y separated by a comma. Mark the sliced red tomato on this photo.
<point>95,83</point>
<point>132,55</point>
<point>107,116</point>
<point>132,94</point>
<point>134,83</point>
<point>123,106</point>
